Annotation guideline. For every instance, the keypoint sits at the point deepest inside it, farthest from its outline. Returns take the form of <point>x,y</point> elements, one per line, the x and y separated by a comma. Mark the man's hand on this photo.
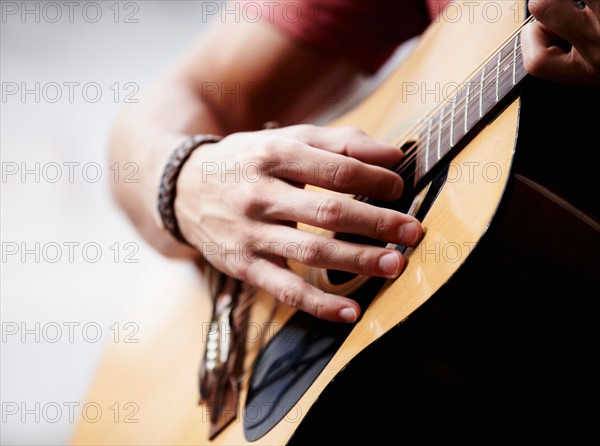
<point>559,21</point>
<point>238,202</point>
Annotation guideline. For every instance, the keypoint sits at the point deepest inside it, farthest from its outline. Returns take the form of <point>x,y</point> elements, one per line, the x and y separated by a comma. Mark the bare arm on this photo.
<point>252,224</point>
<point>189,99</point>
<point>248,228</point>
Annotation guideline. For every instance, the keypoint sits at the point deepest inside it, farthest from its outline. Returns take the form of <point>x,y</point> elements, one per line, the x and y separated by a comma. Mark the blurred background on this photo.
<point>71,262</point>
<point>73,269</point>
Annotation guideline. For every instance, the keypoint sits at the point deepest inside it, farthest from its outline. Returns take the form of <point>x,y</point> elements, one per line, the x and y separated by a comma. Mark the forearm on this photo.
<point>251,224</point>
<point>145,134</point>
<point>180,104</point>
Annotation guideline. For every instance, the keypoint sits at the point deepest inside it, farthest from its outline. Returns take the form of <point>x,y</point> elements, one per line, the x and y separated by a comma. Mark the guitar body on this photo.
<point>488,215</point>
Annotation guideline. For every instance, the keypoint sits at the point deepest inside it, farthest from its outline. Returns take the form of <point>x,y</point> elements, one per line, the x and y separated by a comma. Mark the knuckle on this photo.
<point>252,240</point>
<point>254,200</point>
<point>352,131</point>
<point>241,271</point>
<point>236,139</point>
<point>319,309</point>
<point>381,228</point>
<point>299,130</point>
<point>250,273</point>
<point>538,8</point>
<point>595,60</point>
<point>340,175</point>
<point>309,253</point>
<point>363,262</point>
<point>291,295</point>
<point>328,213</point>
<point>536,66</point>
<point>274,153</point>
<point>347,136</point>
<point>267,151</point>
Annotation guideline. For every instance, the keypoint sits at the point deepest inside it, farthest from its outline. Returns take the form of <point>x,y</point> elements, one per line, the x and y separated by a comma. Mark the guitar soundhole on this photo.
<point>301,349</point>
<point>337,277</point>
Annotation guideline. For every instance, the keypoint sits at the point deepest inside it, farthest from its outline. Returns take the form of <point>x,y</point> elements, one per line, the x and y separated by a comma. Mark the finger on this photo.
<point>593,5</point>
<point>301,163</point>
<point>343,214</point>
<point>292,290</point>
<point>349,141</point>
<point>325,252</point>
<point>579,27</point>
<point>543,58</point>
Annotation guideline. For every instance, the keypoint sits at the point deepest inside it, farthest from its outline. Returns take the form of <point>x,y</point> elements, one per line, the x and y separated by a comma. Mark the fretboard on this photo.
<point>459,117</point>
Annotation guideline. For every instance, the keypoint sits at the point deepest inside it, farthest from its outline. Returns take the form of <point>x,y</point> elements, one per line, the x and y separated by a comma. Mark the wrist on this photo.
<point>168,183</point>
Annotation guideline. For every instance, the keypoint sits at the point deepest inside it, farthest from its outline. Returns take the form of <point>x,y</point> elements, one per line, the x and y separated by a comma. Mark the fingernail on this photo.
<point>390,264</point>
<point>348,314</point>
<point>408,233</point>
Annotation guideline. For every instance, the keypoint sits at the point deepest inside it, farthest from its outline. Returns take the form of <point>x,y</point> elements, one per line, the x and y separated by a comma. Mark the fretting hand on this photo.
<point>558,22</point>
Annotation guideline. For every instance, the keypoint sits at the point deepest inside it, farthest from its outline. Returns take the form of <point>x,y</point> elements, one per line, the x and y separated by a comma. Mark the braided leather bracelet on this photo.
<point>168,183</point>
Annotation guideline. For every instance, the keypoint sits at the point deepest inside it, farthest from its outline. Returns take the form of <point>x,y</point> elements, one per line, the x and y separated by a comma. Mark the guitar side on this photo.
<point>160,374</point>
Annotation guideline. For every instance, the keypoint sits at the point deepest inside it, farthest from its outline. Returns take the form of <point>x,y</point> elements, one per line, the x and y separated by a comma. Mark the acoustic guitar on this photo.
<point>496,170</point>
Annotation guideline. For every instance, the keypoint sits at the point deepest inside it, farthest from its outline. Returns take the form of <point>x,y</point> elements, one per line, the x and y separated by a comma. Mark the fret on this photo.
<point>473,116</point>
<point>457,127</point>
<point>429,124</point>
<point>467,107</point>
<point>498,76</point>
<point>506,71</point>
<point>422,151</point>
<point>520,71</point>
<point>490,88</point>
<point>452,111</point>
<point>514,53</point>
<point>440,128</point>
<point>481,92</point>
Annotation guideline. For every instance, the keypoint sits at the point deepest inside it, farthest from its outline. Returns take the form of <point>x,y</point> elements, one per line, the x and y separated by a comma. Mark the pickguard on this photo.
<point>297,354</point>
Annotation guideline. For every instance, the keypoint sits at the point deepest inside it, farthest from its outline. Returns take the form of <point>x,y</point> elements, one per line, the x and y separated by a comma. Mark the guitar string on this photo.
<point>516,52</point>
<point>414,149</point>
<point>417,146</point>
<point>477,69</point>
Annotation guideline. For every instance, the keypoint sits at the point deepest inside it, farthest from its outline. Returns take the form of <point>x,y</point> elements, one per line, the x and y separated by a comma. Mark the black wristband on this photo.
<point>168,183</point>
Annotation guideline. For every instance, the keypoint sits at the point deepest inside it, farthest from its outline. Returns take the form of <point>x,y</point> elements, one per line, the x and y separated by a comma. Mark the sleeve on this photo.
<point>363,32</point>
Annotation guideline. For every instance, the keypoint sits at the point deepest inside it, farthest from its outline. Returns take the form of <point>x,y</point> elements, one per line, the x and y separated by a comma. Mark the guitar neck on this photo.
<point>452,124</point>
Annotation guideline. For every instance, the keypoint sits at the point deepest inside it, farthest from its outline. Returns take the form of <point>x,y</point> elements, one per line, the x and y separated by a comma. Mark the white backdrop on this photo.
<point>71,262</point>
